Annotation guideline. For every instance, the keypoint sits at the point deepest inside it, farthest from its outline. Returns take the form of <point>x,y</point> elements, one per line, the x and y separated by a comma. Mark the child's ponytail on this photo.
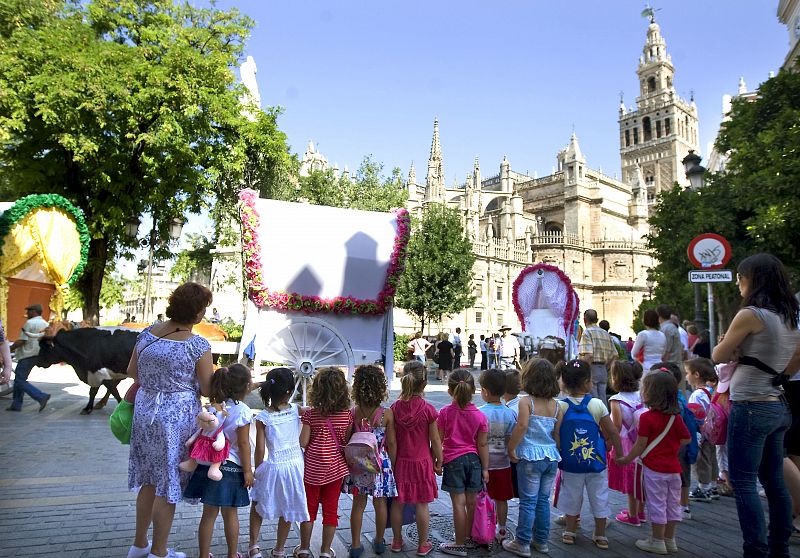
<point>413,380</point>
<point>277,387</point>
<point>461,385</point>
<point>229,383</point>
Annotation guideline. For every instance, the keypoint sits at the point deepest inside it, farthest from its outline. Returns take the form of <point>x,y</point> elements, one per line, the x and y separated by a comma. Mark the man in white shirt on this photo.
<point>456,340</point>
<point>27,352</point>
<point>509,349</point>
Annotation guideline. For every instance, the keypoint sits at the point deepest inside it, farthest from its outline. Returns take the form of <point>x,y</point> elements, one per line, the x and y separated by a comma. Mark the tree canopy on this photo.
<point>126,107</point>
<point>437,280</point>
<point>753,202</point>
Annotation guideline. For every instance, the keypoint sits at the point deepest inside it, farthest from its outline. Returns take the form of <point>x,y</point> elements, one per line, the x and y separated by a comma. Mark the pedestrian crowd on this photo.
<point>616,418</point>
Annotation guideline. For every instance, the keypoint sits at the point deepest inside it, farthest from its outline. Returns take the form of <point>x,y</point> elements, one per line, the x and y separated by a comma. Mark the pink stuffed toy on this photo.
<point>209,445</point>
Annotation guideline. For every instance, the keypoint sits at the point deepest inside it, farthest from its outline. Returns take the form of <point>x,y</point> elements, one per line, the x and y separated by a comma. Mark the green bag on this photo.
<point>121,421</point>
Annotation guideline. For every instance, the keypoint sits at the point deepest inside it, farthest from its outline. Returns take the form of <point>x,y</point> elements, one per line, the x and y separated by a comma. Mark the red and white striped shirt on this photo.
<point>324,458</point>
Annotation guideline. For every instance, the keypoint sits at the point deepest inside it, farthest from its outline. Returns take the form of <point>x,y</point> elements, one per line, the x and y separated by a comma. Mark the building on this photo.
<point>789,15</point>
<point>657,134</point>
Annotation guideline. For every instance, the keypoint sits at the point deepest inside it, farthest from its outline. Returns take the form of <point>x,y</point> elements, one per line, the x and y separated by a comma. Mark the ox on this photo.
<point>98,356</point>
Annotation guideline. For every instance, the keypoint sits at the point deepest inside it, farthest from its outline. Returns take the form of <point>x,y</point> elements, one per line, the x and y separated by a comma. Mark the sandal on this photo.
<point>301,553</point>
<point>354,552</point>
<point>255,552</point>
<point>568,537</point>
<point>600,541</point>
<point>274,553</point>
<point>331,554</point>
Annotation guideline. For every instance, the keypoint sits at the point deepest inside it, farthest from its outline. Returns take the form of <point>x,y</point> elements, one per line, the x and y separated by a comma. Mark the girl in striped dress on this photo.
<point>327,426</point>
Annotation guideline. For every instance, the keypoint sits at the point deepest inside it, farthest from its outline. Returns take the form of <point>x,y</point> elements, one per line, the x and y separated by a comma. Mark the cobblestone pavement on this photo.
<point>63,492</point>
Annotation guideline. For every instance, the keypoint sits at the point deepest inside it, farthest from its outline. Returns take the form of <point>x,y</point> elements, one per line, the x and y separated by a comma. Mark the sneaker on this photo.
<point>687,513</point>
<point>139,551</point>
<point>379,547</point>
<point>171,553</point>
<point>425,549</point>
<point>43,402</point>
<point>12,408</point>
<point>355,552</point>
<point>651,545</point>
<point>713,492</point>
<point>541,547</point>
<point>699,495</point>
<point>623,517</point>
<point>515,547</point>
<point>453,549</point>
<point>642,516</point>
<point>672,546</point>
<point>397,545</point>
<point>469,543</point>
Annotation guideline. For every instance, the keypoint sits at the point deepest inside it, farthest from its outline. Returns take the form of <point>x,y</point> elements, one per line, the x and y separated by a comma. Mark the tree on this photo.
<point>753,203</point>
<point>368,190</point>
<point>437,280</point>
<point>112,294</point>
<point>194,263</point>
<point>125,107</point>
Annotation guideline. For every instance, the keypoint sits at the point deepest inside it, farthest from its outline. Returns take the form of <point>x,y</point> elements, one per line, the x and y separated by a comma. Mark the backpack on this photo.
<point>715,427</point>
<point>699,410</point>
<point>583,449</point>
<point>362,451</point>
<point>692,448</point>
<point>631,432</point>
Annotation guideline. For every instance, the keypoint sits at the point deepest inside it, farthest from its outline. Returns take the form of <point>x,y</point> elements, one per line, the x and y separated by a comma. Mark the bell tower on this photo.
<point>657,134</point>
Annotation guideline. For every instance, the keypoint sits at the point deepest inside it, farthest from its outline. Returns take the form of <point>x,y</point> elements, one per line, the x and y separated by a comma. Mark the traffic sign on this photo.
<point>715,276</point>
<point>709,251</point>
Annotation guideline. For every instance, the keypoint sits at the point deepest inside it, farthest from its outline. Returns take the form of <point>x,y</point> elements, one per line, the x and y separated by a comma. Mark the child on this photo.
<point>228,386</point>
<point>369,390</point>
<point>585,430</point>
<point>626,479</point>
<point>278,490</point>
<point>511,397</point>
<point>326,428</point>
<point>418,455</point>
<point>699,372</point>
<point>464,431</point>
<point>534,445</point>
<point>501,422</point>
<point>661,434</point>
<point>688,453</point>
<point>720,391</point>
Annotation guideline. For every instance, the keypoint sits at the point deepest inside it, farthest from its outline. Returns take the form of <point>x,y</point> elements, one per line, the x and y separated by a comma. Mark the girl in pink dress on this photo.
<point>626,479</point>
<point>418,457</point>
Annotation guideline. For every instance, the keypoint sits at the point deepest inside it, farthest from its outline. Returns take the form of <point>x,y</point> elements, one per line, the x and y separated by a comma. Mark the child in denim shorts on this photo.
<point>464,432</point>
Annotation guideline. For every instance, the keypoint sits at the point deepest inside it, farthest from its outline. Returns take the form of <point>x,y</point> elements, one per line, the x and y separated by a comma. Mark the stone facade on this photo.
<point>660,131</point>
<point>789,15</point>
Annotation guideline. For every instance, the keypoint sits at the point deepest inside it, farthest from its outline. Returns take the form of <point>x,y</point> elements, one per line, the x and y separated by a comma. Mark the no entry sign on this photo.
<point>709,251</point>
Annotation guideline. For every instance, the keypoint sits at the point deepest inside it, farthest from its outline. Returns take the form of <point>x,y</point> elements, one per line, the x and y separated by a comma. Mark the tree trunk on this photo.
<point>92,280</point>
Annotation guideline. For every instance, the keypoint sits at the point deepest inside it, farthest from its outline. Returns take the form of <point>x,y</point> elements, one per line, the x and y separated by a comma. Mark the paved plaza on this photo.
<point>63,492</point>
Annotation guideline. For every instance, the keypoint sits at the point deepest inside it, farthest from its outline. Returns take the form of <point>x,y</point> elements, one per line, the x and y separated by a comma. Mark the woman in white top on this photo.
<point>650,341</point>
<point>419,345</point>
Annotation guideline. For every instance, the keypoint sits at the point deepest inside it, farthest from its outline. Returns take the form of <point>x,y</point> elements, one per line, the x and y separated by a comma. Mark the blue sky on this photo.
<point>504,78</point>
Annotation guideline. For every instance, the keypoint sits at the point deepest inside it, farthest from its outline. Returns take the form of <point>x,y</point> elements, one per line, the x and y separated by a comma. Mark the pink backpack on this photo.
<point>483,522</point>
<point>715,426</point>
<point>630,431</point>
<point>362,451</point>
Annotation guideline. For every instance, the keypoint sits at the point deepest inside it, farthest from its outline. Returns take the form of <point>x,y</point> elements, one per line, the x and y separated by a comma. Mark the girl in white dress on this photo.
<point>278,491</point>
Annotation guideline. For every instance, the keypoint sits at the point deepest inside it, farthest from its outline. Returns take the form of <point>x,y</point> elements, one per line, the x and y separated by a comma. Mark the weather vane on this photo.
<point>650,11</point>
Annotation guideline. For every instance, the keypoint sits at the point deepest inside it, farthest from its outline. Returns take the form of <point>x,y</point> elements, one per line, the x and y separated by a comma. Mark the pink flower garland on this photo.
<point>570,312</point>
<point>263,297</point>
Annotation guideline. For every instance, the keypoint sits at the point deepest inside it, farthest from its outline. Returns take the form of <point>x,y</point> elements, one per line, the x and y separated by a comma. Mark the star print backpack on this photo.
<point>583,449</point>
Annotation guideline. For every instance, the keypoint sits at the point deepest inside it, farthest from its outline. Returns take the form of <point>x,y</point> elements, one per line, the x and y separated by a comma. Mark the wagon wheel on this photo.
<point>307,344</point>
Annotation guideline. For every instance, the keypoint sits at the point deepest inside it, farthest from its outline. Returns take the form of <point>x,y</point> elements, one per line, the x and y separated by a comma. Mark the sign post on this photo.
<point>709,252</point>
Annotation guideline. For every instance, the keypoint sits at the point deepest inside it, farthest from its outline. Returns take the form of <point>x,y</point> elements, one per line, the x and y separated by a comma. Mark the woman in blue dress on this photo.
<point>173,368</point>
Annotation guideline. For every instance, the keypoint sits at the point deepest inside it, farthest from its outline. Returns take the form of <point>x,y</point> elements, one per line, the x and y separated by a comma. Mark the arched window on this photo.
<point>553,228</point>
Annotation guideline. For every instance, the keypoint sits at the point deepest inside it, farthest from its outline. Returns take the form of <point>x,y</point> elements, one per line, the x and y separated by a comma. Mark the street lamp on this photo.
<point>650,284</point>
<point>132,229</point>
<point>695,172</point>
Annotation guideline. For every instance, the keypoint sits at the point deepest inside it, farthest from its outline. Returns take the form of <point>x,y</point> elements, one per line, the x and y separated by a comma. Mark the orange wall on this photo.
<point>22,293</point>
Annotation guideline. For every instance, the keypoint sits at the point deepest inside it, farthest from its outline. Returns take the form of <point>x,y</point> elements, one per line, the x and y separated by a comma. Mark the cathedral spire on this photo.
<point>434,180</point>
<point>412,174</point>
<point>574,151</point>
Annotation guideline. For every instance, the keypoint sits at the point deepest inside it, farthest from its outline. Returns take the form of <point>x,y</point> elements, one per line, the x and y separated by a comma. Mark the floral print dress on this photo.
<point>164,413</point>
<point>382,484</point>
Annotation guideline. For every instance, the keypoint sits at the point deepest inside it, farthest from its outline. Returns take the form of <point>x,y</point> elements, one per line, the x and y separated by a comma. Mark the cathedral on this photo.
<point>590,225</point>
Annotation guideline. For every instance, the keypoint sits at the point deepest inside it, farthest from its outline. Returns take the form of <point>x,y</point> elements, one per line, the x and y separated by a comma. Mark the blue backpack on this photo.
<point>690,421</point>
<point>583,449</point>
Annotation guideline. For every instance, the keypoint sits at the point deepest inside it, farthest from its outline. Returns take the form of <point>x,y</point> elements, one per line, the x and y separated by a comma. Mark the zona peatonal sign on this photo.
<point>709,251</point>
<point>711,276</point>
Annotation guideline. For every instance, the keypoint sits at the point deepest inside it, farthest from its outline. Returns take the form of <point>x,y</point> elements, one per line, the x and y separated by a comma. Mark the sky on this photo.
<point>511,78</point>
<point>505,78</point>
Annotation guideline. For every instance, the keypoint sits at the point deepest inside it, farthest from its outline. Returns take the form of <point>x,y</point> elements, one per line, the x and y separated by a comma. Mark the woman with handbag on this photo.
<point>763,337</point>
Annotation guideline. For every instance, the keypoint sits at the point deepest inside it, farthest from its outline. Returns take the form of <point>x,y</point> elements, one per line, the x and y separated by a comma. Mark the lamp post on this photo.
<point>695,172</point>
<point>132,229</point>
<point>650,284</point>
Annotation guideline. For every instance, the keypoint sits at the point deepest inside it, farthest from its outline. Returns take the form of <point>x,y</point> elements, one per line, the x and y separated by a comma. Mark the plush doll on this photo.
<point>209,445</point>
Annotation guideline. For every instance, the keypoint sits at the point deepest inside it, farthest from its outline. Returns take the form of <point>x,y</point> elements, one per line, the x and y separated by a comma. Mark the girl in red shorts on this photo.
<point>661,434</point>
<point>326,428</point>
